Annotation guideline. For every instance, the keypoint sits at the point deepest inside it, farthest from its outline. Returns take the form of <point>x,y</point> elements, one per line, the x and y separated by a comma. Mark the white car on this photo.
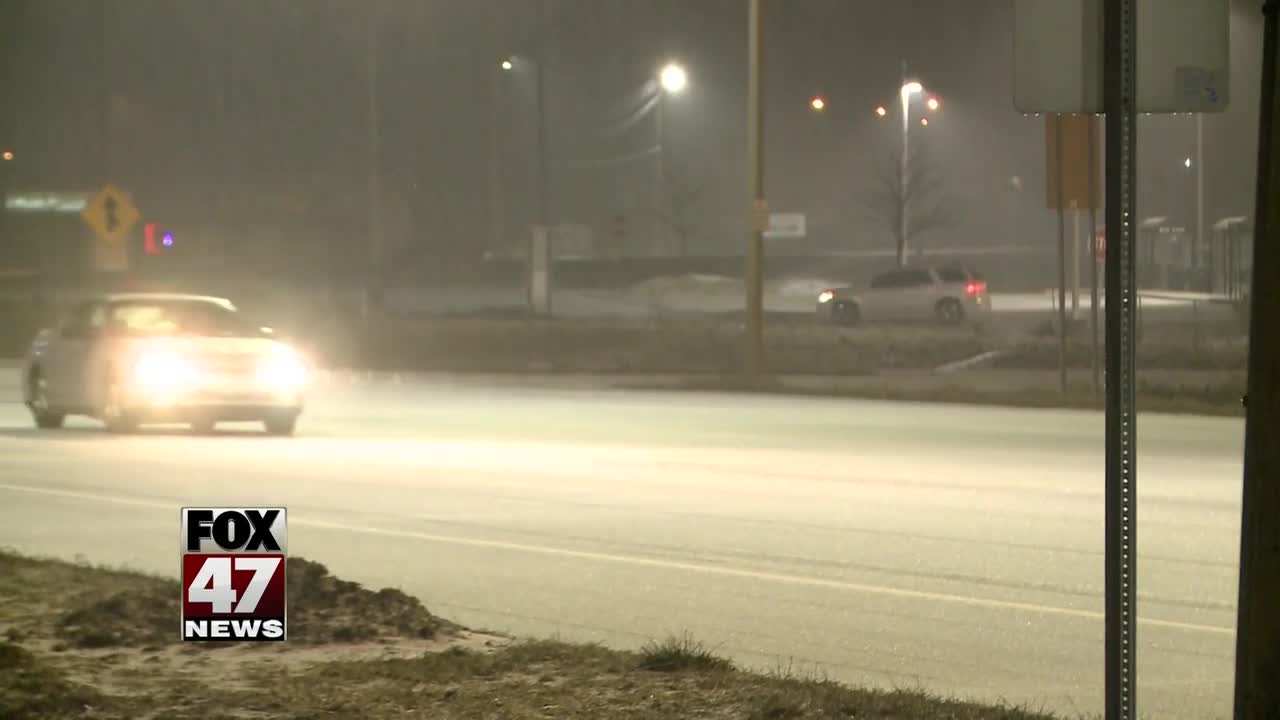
<point>138,358</point>
<point>950,295</point>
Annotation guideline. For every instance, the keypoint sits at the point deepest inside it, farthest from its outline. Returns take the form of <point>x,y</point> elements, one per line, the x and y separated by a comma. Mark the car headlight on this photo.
<point>825,296</point>
<point>161,371</point>
<point>283,370</point>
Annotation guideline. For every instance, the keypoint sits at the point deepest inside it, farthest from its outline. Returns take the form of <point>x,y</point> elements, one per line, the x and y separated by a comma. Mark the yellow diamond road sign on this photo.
<point>110,213</point>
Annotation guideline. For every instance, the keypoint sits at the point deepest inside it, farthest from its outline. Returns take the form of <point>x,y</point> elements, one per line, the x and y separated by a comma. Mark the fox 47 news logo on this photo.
<point>233,574</point>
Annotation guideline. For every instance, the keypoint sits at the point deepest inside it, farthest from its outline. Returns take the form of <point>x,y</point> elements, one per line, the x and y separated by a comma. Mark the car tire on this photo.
<point>280,425</point>
<point>846,313</point>
<point>45,418</point>
<point>949,312</point>
<point>114,417</point>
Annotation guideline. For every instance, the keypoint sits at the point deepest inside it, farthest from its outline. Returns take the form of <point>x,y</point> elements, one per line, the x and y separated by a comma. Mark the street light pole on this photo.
<point>905,188</point>
<point>374,287</point>
<point>659,171</point>
<point>759,214</point>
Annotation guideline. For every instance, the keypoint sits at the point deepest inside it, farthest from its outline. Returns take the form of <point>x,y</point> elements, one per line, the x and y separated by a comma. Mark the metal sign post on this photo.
<point>1120,95</point>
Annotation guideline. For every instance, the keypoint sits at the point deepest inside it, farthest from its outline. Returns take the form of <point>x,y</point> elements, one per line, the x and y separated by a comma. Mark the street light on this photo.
<point>933,103</point>
<point>8,155</point>
<point>673,78</point>
<point>507,65</point>
<point>881,110</point>
<point>818,103</point>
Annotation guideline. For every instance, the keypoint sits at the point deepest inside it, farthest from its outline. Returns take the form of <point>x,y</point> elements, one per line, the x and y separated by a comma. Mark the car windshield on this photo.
<point>178,317</point>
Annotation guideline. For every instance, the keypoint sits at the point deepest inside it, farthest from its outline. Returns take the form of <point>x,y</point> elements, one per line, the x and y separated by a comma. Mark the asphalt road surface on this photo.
<point>953,548</point>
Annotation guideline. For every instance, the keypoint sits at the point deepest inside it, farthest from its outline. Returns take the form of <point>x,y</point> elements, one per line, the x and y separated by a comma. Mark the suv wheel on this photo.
<point>41,413</point>
<point>846,313</point>
<point>280,424</point>
<point>950,312</point>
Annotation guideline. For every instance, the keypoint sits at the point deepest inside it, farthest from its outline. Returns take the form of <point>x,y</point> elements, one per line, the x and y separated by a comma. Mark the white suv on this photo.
<point>950,295</point>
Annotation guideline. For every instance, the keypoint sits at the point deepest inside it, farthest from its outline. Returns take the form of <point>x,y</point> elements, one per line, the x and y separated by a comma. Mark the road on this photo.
<point>949,547</point>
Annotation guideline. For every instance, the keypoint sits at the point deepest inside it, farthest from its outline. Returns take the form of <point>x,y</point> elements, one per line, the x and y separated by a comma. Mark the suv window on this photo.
<point>83,320</point>
<point>953,275</point>
<point>902,279</point>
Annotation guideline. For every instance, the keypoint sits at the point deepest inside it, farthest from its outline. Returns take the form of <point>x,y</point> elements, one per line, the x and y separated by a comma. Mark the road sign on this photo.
<point>1183,56</point>
<point>785,226</point>
<point>111,214</point>
<point>1075,165</point>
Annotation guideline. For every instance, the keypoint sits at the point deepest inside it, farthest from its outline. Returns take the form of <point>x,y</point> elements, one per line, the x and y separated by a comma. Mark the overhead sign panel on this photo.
<point>1184,51</point>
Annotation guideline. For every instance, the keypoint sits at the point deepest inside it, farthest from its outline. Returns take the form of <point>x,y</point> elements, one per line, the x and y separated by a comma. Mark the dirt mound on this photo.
<point>323,608</point>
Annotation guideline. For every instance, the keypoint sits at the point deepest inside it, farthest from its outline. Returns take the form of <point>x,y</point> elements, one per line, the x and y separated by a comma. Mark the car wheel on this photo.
<point>846,313</point>
<point>44,417</point>
<point>114,415</point>
<point>950,312</point>
<point>281,425</point>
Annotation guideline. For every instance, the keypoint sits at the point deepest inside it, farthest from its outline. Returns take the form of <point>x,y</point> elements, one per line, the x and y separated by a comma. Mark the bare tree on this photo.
<point>923,198</point>
<point>681,195</point>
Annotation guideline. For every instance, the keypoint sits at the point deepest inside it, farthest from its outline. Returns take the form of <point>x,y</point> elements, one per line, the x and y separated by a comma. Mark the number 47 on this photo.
<point>213,583</point>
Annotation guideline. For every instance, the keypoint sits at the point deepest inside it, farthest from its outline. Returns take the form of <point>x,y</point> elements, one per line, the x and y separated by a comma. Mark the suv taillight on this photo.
<point>977,288</point>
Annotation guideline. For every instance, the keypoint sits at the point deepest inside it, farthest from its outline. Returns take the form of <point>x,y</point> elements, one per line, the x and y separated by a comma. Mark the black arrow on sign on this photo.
<point>112,221</point>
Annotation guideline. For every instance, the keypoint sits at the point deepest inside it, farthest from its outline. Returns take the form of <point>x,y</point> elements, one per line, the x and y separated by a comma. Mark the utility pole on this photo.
<point>496,185</point>
<point>759,206</point>
<point>1257,693</point>
<point>373,291</point>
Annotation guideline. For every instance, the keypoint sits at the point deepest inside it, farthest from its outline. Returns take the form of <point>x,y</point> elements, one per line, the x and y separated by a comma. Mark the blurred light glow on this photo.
<point>1187,162</point>
<point>507,65</point>
<point>924,122</point>
<point>673,78</point>
<point>933,103</point>
<point>8,154</point>
<point>167,240</point>
<point>818,103</point>
<point>881,111</point>
<point>911,88</point>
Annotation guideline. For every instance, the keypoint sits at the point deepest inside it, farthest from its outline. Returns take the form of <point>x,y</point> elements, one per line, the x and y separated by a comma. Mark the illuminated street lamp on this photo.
<point>507,65</point>
<point>8,155</point>
<point>934,104</point>
<point>674,79</point>
<point>818,103</point>
<point>924,122</point>
<point>881,110</point>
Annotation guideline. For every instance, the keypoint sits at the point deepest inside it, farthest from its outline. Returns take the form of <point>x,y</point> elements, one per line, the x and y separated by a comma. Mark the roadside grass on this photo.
<point>1216,399</point>
<point>32,688</point>
<point>111,608</point>
<point>448,678</point>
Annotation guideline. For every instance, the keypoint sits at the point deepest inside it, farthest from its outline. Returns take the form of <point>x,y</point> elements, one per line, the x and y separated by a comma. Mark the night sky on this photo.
<point>237,97</point>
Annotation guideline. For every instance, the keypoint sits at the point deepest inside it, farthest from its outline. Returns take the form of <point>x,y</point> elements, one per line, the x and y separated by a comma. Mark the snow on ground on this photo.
<point>719,294</point>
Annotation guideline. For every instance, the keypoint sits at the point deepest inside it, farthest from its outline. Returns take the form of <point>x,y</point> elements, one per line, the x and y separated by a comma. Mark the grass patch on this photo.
<point>121,609</point>
<point>32,689</point>
<point>682,654</point>
<point>675,678</point>
<point>323,608</point>
<point>1217,399</point>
